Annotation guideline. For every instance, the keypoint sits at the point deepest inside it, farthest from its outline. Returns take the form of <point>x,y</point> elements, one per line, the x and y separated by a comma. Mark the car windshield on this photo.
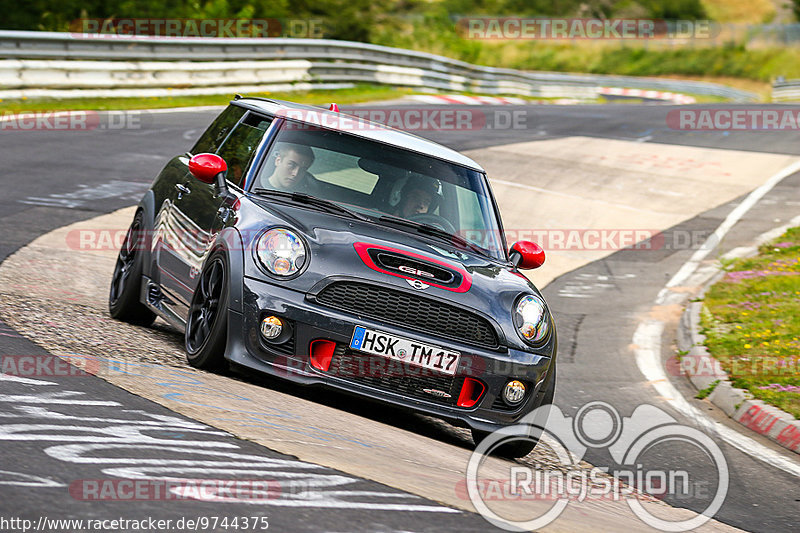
<point>390,185</point>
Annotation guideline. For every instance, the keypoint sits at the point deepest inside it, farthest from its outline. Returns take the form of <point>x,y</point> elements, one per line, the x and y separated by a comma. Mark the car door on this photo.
<point>197,211</point>
<point>172,231</point>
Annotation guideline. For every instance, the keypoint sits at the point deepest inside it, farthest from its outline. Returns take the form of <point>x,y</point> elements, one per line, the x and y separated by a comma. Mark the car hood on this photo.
<point>342,247</point>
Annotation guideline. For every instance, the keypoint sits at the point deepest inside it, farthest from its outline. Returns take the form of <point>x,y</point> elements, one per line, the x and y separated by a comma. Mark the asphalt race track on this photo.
<point>564,155</point>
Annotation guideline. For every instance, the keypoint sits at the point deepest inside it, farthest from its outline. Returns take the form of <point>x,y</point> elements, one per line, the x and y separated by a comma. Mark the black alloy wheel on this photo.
<point>206,326</point>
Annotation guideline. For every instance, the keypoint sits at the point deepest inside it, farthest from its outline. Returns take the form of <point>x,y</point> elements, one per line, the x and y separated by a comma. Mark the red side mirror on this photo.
<point>205,167</point>
<point>527,255</point>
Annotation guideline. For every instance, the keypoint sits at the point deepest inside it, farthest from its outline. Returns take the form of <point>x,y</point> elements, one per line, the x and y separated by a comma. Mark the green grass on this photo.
<point>708,390</point>
<point>753,322</point>
<point>733,60</point>
<point>359,93</point>
<point>748,11</point>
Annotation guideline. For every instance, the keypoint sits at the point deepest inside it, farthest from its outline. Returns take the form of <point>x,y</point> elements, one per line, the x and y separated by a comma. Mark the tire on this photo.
<point>511,450</point>
<point>520,448</point>
<point>126,282</point>
<point>207,322</point>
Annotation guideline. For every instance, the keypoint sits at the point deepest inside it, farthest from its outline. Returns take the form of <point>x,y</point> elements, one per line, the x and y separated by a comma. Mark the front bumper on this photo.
<point>375,377</point>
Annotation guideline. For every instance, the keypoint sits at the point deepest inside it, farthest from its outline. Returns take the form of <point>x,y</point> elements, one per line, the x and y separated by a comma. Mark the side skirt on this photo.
<point>163,304</point>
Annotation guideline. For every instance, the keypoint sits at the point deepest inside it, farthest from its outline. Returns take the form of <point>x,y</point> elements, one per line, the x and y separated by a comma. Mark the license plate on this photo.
<point>405,350</point>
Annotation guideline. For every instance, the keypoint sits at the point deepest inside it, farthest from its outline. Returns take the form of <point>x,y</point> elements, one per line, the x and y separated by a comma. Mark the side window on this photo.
<point>239,148</point>
<point>210,140</point>
<point>469,209</point>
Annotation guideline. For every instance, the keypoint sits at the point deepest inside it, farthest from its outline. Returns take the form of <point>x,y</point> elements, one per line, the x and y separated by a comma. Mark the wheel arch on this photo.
<point>147,208</point>
<point>229,241</point>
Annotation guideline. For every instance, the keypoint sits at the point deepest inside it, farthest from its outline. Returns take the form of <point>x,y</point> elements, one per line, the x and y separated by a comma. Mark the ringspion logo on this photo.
<point>634,443</point>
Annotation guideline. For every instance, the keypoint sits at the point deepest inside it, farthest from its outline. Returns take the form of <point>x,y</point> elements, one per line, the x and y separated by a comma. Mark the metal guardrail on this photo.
<point>329,61</point>
<point>786,91</point>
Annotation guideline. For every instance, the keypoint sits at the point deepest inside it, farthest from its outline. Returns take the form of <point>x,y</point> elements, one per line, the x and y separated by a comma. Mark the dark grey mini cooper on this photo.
<point>327,250</point>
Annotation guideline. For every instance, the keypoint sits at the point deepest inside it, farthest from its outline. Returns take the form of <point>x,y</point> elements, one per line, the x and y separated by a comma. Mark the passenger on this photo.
<point>418,196</point>
<point>235,171</point>
<point>291,163</point>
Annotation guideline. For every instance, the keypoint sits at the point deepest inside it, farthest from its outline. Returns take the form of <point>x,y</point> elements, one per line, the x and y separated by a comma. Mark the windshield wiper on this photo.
<point>433,231</point>
<point>309,199</point>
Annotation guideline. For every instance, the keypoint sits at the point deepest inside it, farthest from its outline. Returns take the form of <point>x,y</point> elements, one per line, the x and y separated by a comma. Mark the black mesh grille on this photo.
<point>286,348</point>
<point>395,376</point>
<point>500,405</point>
<point>408,310</point>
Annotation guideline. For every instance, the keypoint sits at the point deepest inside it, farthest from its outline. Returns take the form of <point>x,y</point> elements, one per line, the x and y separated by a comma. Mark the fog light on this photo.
<point>271,327</point>
<point>514,392</point>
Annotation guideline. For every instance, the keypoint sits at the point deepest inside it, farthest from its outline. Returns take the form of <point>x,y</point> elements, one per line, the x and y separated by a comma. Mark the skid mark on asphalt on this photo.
<point>591,285</point>
<point>86,195</point>
<point>568,327</point>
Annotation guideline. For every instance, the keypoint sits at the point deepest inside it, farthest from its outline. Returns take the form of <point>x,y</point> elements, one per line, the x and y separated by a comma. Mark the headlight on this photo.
<point>281,252</point>
<point>531,319</point>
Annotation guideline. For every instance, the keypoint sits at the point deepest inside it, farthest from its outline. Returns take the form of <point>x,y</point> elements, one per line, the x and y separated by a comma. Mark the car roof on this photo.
<point>370,130</point>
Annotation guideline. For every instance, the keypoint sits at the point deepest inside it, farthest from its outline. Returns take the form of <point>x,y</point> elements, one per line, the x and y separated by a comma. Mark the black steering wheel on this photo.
<point>433,220</point>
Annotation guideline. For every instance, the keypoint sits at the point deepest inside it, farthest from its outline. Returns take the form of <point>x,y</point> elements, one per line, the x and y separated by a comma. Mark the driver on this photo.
<point>291,163</point>
<point>419,196</point>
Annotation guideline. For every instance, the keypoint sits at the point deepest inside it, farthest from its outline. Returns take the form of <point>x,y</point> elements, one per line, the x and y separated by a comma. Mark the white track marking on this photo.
<point>733,217</point>
<point>26,381</point>
<point>647,341</point>
<point>102,438</point>
<point>29,398</point>
<point>647,338</point>
<point>21,479</point>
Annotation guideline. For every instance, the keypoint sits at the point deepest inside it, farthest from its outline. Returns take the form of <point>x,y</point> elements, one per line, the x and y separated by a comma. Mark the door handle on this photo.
<point>182,189</point>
